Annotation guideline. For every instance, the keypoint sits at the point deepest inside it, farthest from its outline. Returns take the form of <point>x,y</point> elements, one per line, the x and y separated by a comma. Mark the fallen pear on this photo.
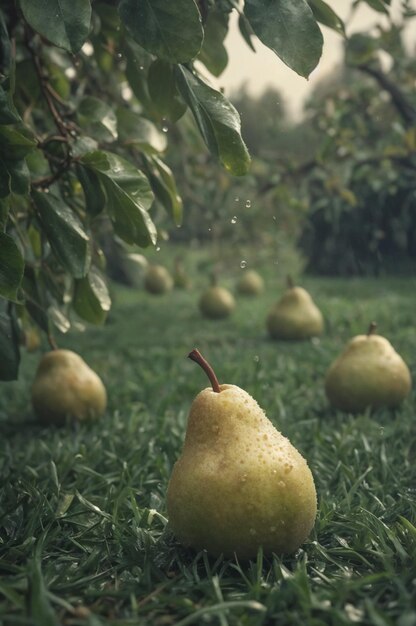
<point>250,284</point>
<point>368,373</point>
<point>158,280</point>
<point>239,484</point>
<point>65,387</point>
<point>295,315</point>
<point>216,302</point>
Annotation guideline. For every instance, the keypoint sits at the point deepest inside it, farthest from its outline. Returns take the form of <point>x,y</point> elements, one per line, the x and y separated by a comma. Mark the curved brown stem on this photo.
<point>290,282</point>
<point>372,329</point>
<point>196,356</point>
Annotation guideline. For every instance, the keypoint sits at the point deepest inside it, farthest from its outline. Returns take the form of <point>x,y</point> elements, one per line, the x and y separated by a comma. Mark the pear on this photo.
<point>250,284</point>
<point>239,483</point>
<point>66,387</point>
<point>295,316</point>
<point>216,302</point>
<point>368,373</point>
<point>158,280</point>
<point>180,277</point>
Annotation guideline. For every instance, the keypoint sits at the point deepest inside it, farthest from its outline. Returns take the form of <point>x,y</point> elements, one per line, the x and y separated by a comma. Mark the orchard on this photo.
<point>147,215</point>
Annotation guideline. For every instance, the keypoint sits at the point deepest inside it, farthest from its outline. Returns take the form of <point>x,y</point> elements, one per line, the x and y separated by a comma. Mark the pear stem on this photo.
<point>196,356</point>
<point>289,281</point>
<point>372,329</point>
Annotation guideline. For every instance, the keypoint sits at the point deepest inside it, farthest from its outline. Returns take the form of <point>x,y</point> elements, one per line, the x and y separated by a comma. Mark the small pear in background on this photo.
<point>216,302</point>
<point>158,280</point>
<point>295,315</point>
<point>368,373</point>
<point>250,283</point>
<point>180,277</point>
<point>65,387</point>
<point>239,484</point>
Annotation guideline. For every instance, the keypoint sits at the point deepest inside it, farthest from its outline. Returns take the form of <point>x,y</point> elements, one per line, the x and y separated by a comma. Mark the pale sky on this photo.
<point>263,69</point>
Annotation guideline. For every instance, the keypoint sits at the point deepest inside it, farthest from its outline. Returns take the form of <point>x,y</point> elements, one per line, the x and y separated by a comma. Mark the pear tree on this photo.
<point>87,92</point>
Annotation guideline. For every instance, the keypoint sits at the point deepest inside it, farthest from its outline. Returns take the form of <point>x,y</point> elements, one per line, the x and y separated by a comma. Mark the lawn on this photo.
<point>83,531</point>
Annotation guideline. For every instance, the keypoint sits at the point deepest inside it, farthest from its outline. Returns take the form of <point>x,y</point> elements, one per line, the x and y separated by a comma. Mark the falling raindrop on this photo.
<point>236,199</point>
<point>274,218</point>
<point>165,127</point>
<point>248,204</point>
<point>158,249</point>
<point>256,358</point>
<point>119,55</point>
<point>234,219</point>
<point>243,264</point>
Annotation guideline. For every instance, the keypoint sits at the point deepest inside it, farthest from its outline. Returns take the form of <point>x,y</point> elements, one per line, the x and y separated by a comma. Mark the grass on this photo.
<point>83,529</point>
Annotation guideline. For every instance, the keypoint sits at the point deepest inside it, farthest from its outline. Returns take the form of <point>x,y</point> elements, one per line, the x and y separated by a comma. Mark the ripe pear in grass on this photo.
<point>250,284</point>
<point>216,302</point>
<point>158,280</point>
<point>239,484</point>
<point>368,373</point>
<point>295,316</point>
<point>65,387</point>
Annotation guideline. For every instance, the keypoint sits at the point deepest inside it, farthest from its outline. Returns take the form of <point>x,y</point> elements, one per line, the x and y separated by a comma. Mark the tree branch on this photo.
<point>406,110</point>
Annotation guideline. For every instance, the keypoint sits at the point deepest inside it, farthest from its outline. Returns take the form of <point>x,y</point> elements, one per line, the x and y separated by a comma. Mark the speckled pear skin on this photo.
<point>295,316</point>
<point>216,303</point>
<point>158,280</point>
<point>239,484</point>
<point>65,387</point>
<point>250,284</point>
<point>369,373</point>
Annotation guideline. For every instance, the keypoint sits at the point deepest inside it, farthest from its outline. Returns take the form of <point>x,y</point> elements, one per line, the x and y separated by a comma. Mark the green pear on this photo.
<point>158,280</point>
<point>250,284</point>
<point>216,302</point>
<point>368,373</point>
<point>239,483</point>
<point>66,387</point>
<point>295,316</point>
<point>180,277</point>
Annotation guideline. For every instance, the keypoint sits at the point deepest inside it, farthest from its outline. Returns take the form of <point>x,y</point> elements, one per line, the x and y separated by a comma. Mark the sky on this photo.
<point>264,69</point>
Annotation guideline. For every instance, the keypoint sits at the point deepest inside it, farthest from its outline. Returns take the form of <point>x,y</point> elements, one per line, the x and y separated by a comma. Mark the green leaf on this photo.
<point>94,194</point>
<point>213,53</point>
<point>65,23</point>
<point>378,5</point>
<point>129,196</point>
<point>4,212</point>
<point>326,16</point>
<point>11,267</point>
<point>91,298</point>
<point>15,143</point>
<point>14,176</point>
<point>5,48</point>
<point>9,342</point>
<point>246,30</point>
<point>35,297</point>
<point>98,119</point>
<point>217,120</point>
<point>137,64</point>
<point>65,234</point>
<point>135,130</point>
<point>287,27</point>
<point>8,113</point>
<point>164,186</point>
<point>170,30</point>
<point>163,91</point>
